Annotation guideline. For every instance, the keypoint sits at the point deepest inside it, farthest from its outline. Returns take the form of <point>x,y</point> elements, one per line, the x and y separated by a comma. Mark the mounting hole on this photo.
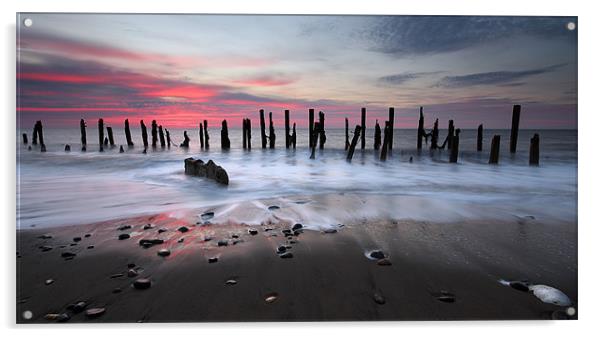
<point>27,314</point>
<point>571,26</point>
<point>27,22</point>
<point>571,311</point>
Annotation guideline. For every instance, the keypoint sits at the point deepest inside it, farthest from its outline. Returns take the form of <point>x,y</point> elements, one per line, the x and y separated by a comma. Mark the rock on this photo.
<point>384,262</point>
<point>123,236</point>
<point>67,254</point>
<point>147,226</point>
<point>132,273</point>
<point>87,235</point>
<point>73,244</point>
<point>49,281</point>
<point>161,230</point>
<point>63,318</point>
<point>550,295</point>
<point>51,317</point>
<point>146,243</point>
<point>180,240</point>
<point>90,247</point>
<point>297,226</point>
<point>183,229</point>
<point>207,238</point>
<point>287,255</point>
<point>519,285</point>
<point>95,312</point>
<point>124,227</point>
<point>253,231</point>
<point>281,249</point>
<point>164,252</point>
<point>212,260</point>
<point>292,241</point>
<point>236,242</point>
<point>142,283</point>
<point>116,275</point>
<point>330,231</point>
<point>131,265</point>
<point>45,248</point>
<point>231,282</point>
<point>221,243</point>
<point>378,298</point>
<point>235,236</point>
<point>271,298</point>
<point>197,167</point>
<point>273,208</point>
<point>67,147</point>
<point>77,239</point>
<point>78,307</point>
<point>121,150</point>
<point>377,255</point>
<point>207,215</point>
<point>297,232</point>
<point>45,236</point>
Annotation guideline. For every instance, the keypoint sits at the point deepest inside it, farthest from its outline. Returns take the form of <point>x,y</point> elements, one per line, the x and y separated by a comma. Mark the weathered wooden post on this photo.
<point>264,141</point>
<point>168,138</point>
<point>128,134</point>
<point>121,150</point>
<point>41,137</point>
<point>321,131</point>
<point>314,141</point>
<point>363,128</point>
<point>311,127</point>
<point>514,132</point>
<point>356,135</point>
<point>249,133</point>
<point>161,136</point>
<point>225,139</point>
<point>534,150</point>
<point>144,134</point>
<point>377,133</point>
<point>435,135</point>
<point>154,132</point>
<point>294,136</point>
<point>106,142</point>
<point>494,155</point>
<point>420,131</point>
<point>67,148</point>
<point>34,136</point>
<point>385,146</point>
<point>347,134</point>
<point>201,140</point>
<point>272,133</point>
<point>186,142</point>
<point>101,133</point>
<point>206,130</point>
<point>450,133</point>
<point>287,129</point>
<point>480,138</point>
<point>82,130</point>
<point>244,133</point>
<point>110,134</point>
<point>391,127</point>
<point>24,138</point>
<point>455,144</point>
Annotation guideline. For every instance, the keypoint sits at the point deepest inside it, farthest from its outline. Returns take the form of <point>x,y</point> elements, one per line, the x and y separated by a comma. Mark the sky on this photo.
<point>181,69</point>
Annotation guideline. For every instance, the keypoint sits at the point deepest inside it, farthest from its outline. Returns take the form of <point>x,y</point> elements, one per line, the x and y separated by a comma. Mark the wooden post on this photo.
<point>101,133</point>
<point>110,133</point>
<point>363,128</point>
<point>455,144</point>
<point>450,133</point>
<point>347,134</point>
<point>244,133</point>
<point>420,131</point>
<point>201,135</point>
<point>154,132</point>
<point>287,129</point>
<point>480,138</point>
<point>206,130</point>
<point>356,135</point>
<point>311,127</point>
<point>41,136</point>
<point>321,131</point>
<point>168,138</point>
<point>24,138</point>
<point>514,132</point>
<point>161,136</point>
<point>314,141</point>
<point>435,135</point>
<point>128,134</point>
<point>225,139</point>
<point>82,130</point>
<point>534,150</point>
<point>272,133</point>
<point>186,142</point>
<point>494,155</point>
<point>144,134</point>
<point>377,133</point>
<point>34,136</point>
<point>249,133</point>
<point>294,136</point>
<point>121,150</point>
<point>391,127</point>
<point>385,146</point>
<point>262,125</point>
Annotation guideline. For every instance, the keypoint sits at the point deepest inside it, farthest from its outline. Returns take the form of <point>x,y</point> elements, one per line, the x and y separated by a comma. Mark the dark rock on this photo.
<point>384,262</point>
<point>68,254</point>
<point>287,255</point>
<point>377,254</point>
<point>180,240</point>
<point>287,232</point>
<point>197,167</point>
<point>297,226</point>
<point>164,252</point>
<point>273,208</point>
<point>297,232</point>
<point>330,231</point>
<point>445,297</point>
<point>73,244</point>
<point>235,236</point>
<point>62,318</point>
<point>77,239</point>
<point>142,283</point>
<point>378,298</point>
<point>147,226</point>
<point>45,248</point>
<point>281,249</point>
<point>212,260</point>
<point>207,215</point>
<point>183,229</point>
<point>161,230</point>
<point>221,243</point>
<point>207,238</point>
<point>253,231</point>
<point>87,235</point>
<point>78,307</point>
<point>95,312</point>
<point>150,242</point>
<point>124,227</point>
<point>90,247</point>
<point>519,285</point>
<point>131,265</point>
<point>45,236</point>
<point>67,147</point>
<point>123,236</point>
<point>236,242</point>
<point>116,275</point>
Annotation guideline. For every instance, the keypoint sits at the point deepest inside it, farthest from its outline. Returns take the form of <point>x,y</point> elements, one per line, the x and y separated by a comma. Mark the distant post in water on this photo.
<point>128,134</point>
<point>244,133</point>
<point>346,134</point>
<point>311,127</point>
<point>377,133</point>
<point>186,142</point>
<point>391,127</point>
<point>262,126</point>
<point>385,147</point>
<point>287,129</point>
<point>363,128</point>
<point>168,138</point>
<point>272,133</point>
<point>534,151</point>
<point>494,155</point>
<point>201,140</point>
<point>40,133</point>
<point>144,134</point>
<point>24,138</point>
<point>514,132</point>
<point>225,139</point>
<point>249,133</point>
<point>161,136</point>
<point>82,130</point>
<point>321,131</point>
<point>356,135</point>
<point>294,136</point>
<point>450,133</point>
<point>206,134</point>
<point>455,144</point>
<point>314,141</point>
<point>34,136</point>
<point>435,135</point>
<point>101,133</point>
<point>420,131</point>
<point>154,132</point>
<point>110,134</point>
<point>480,138</point>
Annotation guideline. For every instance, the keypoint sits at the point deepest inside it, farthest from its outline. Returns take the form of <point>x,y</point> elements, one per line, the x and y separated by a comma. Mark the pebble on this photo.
<point>150,242</point>
<point>212,260</point>
<point>330,231</point>
<point>180,240</point>
<point>286,231</point>
<point>207,215</point>
<point>67,254</point>
<point>49,281</point>
<point>231,282</point>
<point>384,262</point>
<point>131,265</point>
<point>132,273</point>
<point>78,307</point>
<point>77,239</point>
<point>63,318</point>
<point>164,252</point>
<point>45,236</point>
<point>123,236</point>
<point>297,226</point>
<point>281,249</point>
<point>51,317</point>
<point>378,298</point>
<point>142,283</point>
<point>292,241</point>
<point>377,254</point>
<point>87,235</point>
<point>90,247</point>
<point>271,298</point>
<point>287,255</point>
<point>519,285</point>
<point>297,232</point>
<point>222,243</point>
<point>95,312</point>
<point>273,208</point>
<point>147,226</point>
<point>253,231</point>
<point>124,227</point>
<point>45,248</point>
<point>161,230</point>
<point>235,236</point>
<point>73,244</point>
<point>183,229</point>
<point>116,275</point>
<point>207,238</point>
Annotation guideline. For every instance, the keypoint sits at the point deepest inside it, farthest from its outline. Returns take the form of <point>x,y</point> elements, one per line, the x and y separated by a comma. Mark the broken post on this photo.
<point>225,139</point>
<point>110,134</point>
<point>321,131</point>
<point>455,144</point>
<point>356,135</point>
<point>161,136</point>
<point>450,133</point>
<point>385,146</point>
<point>420,131</point>
<point>294,136</point>
<point>494,155</point>
<point>144,134</point>
<point>24,138</point>
<point>128,134</point>
<point>41,136</point>
<point>101,133</point>
<point>314,141</point>
<point>249,133</point>
<point>272,133</point>
<point>435,135</point>
<point>201,135</point>
<point>514,132</point>
<point>534,150</point>
<point>168,138</point>
<point>82,130</point>
<point>480,138</point>
<point>391,127</point>
<point>154,133</point>
<point>262,125</point>
<point>186,142</point>
<point>346,134</point>
<point>377,133</point>
<point>34,136</point>
<point>244,133</point>
<point>363,128</point>
<point>287,129</point>
<point>121,150</point>
<point>311,127</point>
<point>206,130</point>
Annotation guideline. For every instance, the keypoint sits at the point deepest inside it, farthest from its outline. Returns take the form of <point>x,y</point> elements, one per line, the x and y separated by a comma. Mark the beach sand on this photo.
<point>438,271</point>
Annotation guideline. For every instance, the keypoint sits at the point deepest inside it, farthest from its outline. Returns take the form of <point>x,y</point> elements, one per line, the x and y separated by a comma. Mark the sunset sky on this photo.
<point>181,69</point>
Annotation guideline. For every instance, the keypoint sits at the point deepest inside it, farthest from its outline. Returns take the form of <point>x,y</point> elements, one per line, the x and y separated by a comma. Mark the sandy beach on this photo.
<point>436,270</point>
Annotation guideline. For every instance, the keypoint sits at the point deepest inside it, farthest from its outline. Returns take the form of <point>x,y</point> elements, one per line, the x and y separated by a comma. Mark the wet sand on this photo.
<point>438,271</point>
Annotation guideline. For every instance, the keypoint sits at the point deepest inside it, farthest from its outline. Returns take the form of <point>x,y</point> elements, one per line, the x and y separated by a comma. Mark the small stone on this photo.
<point>281,249</point>
<point>77,239</point>
<point>164,252</point>
<point>297,226</point>
<point>231,282</point>
<point>297,232</point>
<point>212,260</point>
<point>87,235</point>
<point>124,227</point>
<point>131,265</point>
<point>287,255</point>
<point>123,236</point>
<point>78,307</point>
<point>150,242</point>
<point>207,215</point>
<point>384,262</point>
<point>183,229</point>
<point>330,231</point>
<point>63,318</point>
<point>90,247</point>
<point>67,254</point>
<point>377,254</point>
<point>116,275</point>
<point>207,238</point>
<point>236,242</point>
<point>45,236</point>
<point>267,229</point>
<point>51,317</point>
<point>271,298</point>
<point>519,285</point>
<point>273,208</point>
<point>253,231</point>
<point>292,241</point>
<point>235,236</point>
<point>180,240</point>
<point>45,248</point>
<point>49,281</point>
<point>161,230</point>
<point>378,298</point>
<point>142,283</point>
<point>286,231</point>
<point>147,226</point>
<point>221,243</point>
<point>73,244</point>
<point>95,312</point>
<point>132,273</point>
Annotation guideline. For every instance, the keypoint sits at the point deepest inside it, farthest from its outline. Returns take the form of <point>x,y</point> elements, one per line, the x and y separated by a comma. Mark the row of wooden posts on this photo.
<point>317,136</point>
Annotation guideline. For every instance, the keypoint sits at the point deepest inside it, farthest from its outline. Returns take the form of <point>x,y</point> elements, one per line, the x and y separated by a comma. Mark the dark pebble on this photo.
<point>131,265</point>
<point>446,297</point>
<point>67,254</point>
<point>235,236</point>
<point>124,236</point>
<point>95,312</point>
<point>273,208</point>
<point>297,226</point>
<point>287,255</point>
<point>212,260</point>
<point>116,291</point>
<point>207,238</point>
<point>297,232</point>
<point>519,285</point>
<point>78,307</point>
<point>164,252</point>
<point>124,227</point>
<point>63,318</point>
<point>150,242</point>
<point>147,226</point>
<point>142,283</point>
<point>90,247</point>
<point>132,273</point>
<point>77,239</point>
<point>253,231</point>
<point>45,248</point>
<point>180,240</point>
<point>87,235</point>
<point>73,244</point>
<point>183,229</point>
<point>286,231</point>
<point>116,275</point>
<point>161,230</point>
<point>207,215</point>
<point>377,254</point>
<point>378,298</point>
<point>45,236</point>
<point>222,243</point>
<point>281,249</point>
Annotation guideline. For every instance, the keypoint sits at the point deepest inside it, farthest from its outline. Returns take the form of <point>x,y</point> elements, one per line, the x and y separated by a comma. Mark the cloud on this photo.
<point>404,77</point>
<point>494,77</point>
